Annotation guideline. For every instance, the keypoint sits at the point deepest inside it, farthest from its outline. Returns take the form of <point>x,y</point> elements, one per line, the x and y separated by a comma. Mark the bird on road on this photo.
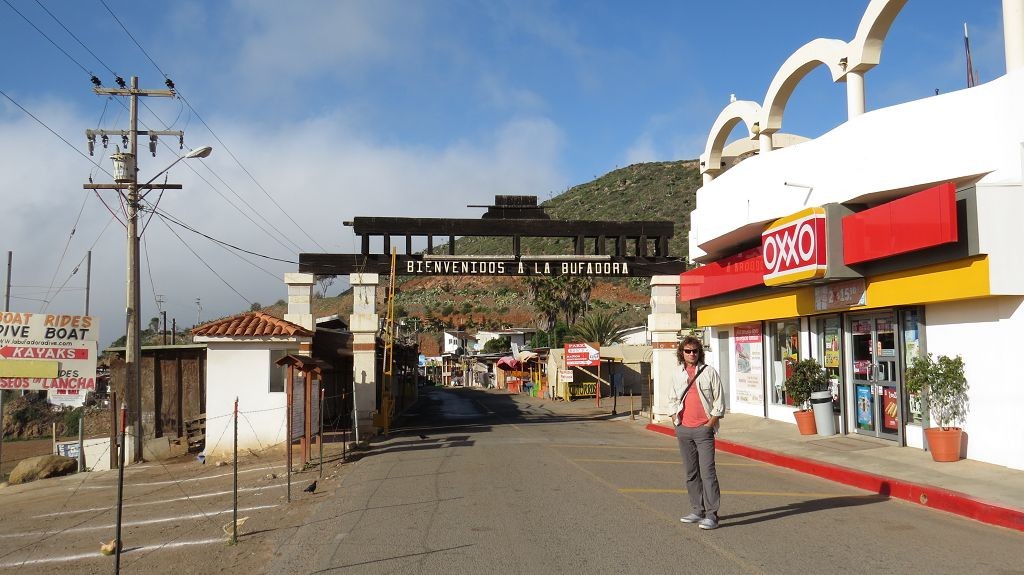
<point>423,436</point>
<point>310,488</point>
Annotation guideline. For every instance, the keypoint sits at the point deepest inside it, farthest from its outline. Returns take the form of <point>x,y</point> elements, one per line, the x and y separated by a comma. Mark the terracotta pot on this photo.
<point>944,444</point>
<point>805,422</point>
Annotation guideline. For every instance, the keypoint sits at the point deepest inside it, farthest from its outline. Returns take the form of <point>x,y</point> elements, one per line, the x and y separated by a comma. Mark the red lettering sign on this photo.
<point>793,248</point>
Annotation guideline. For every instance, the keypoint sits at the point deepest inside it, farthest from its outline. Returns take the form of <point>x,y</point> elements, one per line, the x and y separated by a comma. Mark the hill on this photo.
<point>647,191</point>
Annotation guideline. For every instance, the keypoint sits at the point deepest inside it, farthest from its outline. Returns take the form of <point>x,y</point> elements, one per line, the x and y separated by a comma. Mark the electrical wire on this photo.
<point>172,219</point>
<point>72,34</point>
<point>213,271</point>
<point>64,253</point>
<point>55,45</point>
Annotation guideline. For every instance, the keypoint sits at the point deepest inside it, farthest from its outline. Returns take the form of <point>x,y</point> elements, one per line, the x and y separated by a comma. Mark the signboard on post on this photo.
<point>582,355</point>
<point>69,340</point>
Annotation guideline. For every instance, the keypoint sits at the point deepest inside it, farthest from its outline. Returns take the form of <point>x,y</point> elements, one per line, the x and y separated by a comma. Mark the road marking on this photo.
<point>630,447</point>
<point>664,462</point>
<point>730,492</point>
<point>170,481</point>
<point>96,555</point>
<point>158,502</point>
<point>137,523</point>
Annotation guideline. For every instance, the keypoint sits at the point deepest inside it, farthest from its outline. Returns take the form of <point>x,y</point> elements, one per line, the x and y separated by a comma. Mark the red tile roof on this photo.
<point>253,323</point>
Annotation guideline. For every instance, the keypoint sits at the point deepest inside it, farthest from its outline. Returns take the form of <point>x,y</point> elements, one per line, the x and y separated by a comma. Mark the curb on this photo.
<point>925,495</point>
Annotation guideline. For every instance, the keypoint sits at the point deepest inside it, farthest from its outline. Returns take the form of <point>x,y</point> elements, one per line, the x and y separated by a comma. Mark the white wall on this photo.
<point>242,370</point>
<point>986,333</point>
<point>952,136</point>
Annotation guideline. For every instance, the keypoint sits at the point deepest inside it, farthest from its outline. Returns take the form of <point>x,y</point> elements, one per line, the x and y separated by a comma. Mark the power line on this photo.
<point>200,258</point>
<point>227,149</point>
<point>70,57</point>
<point>174,220</point>
<point>72,34</point>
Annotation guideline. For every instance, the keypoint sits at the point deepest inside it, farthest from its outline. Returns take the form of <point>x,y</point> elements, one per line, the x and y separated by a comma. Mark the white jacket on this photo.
<point>709,387</point>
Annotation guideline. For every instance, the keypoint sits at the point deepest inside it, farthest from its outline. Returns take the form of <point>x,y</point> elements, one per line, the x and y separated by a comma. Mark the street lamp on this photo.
<point>125,168</point>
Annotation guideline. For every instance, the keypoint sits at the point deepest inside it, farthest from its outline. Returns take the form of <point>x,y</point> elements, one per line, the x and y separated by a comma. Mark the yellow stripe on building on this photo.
<point>961,279</point>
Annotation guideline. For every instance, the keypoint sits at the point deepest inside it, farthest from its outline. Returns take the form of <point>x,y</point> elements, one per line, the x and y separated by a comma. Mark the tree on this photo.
<point>598,327</point>
<point>498,345</point>
<point>154,324</point>
<point>256,306</point>
<point>560,295</point>
<point>322,283</point>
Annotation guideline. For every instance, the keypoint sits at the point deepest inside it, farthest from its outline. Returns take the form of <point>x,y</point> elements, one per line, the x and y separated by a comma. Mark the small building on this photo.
<point>241,363</point>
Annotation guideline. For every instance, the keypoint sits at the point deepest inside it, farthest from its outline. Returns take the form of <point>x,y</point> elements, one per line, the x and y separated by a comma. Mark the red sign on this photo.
<point>793,248</point>
<point>738,271</point>
<point>915,222</point>
<point>890,409</point>
<point>582,354</point>
<point>18,352</point>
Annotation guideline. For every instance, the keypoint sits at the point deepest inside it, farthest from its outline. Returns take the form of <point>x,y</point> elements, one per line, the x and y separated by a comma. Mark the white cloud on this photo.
<point>321,171</point>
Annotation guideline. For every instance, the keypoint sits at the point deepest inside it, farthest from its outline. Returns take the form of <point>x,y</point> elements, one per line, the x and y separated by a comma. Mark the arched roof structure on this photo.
<point>841,58</point>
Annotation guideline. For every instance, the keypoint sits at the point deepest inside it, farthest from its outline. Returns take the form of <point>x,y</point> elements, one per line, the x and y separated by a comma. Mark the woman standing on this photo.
<point>696,405</point>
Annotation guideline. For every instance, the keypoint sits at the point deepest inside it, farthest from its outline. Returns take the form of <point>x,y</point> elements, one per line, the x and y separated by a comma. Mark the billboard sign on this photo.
<point>582,354</point>
<point>70,340</point>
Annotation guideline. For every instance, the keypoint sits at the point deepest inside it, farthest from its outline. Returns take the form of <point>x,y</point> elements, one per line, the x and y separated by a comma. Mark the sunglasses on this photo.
<point>685,350</point>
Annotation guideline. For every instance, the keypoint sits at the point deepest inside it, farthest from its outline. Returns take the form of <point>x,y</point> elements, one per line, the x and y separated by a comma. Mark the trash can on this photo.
<point>821,402</point>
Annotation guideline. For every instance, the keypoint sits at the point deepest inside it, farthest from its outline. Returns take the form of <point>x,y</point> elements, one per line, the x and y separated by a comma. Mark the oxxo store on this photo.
<point>850,286</point>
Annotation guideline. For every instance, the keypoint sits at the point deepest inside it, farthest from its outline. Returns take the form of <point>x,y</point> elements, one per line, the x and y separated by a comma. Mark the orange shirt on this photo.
<point>693,414</point>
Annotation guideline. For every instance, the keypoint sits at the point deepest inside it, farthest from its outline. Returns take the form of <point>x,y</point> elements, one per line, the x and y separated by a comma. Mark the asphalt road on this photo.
<point>485,482</point>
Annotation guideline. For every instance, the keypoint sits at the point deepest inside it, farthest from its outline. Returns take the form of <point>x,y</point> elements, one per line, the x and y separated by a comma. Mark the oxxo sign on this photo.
<point>793,248</point>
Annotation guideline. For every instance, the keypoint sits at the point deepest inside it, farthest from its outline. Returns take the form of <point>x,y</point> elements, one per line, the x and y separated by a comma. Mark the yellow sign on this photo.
<point>28,368</point>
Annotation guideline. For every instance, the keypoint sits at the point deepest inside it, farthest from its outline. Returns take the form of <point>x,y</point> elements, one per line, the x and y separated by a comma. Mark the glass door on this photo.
<point>830,353</point>
<point>875,374</point>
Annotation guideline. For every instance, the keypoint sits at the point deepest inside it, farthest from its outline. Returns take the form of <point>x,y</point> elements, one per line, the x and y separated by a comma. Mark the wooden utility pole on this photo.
<point>127,186</point>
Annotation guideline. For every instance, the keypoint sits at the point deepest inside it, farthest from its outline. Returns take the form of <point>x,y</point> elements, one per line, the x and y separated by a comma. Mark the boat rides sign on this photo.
<point>49,352</point>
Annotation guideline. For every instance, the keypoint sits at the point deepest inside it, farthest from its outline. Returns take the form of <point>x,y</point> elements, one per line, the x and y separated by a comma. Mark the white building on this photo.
<point>517,335</point>
<point>893,235</point>
<point>240,363</point>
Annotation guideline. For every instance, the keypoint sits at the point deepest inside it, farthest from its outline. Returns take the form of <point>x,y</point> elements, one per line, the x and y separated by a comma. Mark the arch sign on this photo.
<point>793,248</point>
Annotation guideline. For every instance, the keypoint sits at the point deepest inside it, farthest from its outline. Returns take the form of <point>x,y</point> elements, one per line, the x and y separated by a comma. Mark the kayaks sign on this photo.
<point>793,248</point>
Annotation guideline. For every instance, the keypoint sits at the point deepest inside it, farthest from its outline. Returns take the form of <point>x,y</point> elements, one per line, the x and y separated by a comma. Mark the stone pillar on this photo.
<point>664,324</point>
<point>300,304</point>
<point>764,143</point>
<point>364,325</point>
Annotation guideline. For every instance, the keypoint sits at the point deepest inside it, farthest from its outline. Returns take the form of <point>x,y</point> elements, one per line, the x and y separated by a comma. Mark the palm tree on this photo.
<point>598,327</point>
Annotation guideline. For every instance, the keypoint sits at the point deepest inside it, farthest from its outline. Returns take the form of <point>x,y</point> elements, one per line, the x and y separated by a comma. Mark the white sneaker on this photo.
<point>708,523</point>
<point>691,518</point>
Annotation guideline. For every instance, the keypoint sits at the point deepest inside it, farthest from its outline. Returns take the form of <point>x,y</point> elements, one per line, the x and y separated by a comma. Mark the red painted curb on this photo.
<point>926,495</point>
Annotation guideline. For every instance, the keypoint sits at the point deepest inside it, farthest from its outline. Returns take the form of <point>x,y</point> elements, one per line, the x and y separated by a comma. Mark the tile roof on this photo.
<point>253,323</point>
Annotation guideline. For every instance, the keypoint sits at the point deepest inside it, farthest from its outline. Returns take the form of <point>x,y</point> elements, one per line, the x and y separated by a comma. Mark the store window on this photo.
<point>830,352</point>
<point>785,337</point>
<point>911,325</point>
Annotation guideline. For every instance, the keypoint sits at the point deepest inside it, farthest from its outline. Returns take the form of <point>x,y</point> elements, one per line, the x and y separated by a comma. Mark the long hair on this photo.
<point>694,342</point>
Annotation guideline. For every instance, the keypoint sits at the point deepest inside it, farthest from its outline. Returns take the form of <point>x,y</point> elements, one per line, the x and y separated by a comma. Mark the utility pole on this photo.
<point>163,332</point>
<point>199,311</point>
<point>128,181</point>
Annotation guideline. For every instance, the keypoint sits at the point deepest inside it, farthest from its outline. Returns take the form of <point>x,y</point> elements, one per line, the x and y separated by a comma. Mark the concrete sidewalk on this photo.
<point>984,492</point>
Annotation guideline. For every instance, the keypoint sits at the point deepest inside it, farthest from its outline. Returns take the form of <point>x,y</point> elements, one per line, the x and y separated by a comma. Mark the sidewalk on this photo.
<point>984,492</point>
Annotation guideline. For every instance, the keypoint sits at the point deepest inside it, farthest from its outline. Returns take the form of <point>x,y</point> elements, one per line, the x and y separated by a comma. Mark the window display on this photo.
<point>785,336</point>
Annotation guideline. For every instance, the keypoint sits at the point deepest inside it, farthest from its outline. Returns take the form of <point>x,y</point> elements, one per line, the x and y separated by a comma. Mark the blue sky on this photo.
<point>322,111</point>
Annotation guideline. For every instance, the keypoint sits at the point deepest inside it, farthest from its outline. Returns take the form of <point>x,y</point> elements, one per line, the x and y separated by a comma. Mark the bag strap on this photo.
<point>693,379</point>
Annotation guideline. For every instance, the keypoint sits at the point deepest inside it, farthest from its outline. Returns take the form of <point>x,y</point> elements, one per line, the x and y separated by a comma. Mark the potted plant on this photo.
<point>943,389</point>
<point>807,378</point>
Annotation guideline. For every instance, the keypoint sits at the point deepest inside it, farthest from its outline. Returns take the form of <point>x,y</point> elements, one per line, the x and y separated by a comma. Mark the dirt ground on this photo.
<point>15,451</point>
<point>174,515</point>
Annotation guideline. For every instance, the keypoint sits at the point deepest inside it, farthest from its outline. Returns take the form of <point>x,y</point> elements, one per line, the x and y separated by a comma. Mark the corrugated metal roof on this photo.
<point>253,323</point>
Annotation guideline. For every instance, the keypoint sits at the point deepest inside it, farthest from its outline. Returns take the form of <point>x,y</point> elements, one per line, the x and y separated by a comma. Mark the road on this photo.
<point>486,482</point>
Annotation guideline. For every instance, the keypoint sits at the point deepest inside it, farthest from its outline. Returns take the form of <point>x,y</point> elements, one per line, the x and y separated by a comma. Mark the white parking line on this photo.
<point>161,501</point>
<point>134,523</point>
<point>96,555</point>
<point>170,481</point>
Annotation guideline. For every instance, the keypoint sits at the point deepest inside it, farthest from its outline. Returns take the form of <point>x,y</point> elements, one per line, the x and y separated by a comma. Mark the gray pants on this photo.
<point>697,446</point>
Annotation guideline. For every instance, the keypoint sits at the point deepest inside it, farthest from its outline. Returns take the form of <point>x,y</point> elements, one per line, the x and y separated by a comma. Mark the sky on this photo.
<point>319,112</point>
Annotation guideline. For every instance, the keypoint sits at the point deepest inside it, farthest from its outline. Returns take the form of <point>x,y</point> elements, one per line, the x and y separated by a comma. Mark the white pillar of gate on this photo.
<point>364,325</point>
<point>664,324</point>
